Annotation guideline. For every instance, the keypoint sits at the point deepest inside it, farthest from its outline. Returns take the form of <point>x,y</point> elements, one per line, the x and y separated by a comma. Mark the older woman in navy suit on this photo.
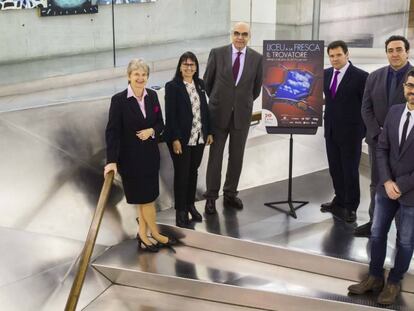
<point>187,131</point>
<point>135,122</point>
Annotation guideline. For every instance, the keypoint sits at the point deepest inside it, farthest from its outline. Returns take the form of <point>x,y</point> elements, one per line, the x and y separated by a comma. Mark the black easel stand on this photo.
<point>289,201</point>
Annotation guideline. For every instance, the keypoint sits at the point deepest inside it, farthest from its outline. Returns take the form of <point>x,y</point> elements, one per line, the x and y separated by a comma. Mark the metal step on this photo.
<point>123,298</point>
<point>203,274</point>
<point>278,255</point>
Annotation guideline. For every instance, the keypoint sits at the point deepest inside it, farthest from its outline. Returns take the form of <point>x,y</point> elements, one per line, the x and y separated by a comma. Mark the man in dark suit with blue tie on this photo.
<point>394,199</point>
<point>344,129</point>
<point>383,89</point>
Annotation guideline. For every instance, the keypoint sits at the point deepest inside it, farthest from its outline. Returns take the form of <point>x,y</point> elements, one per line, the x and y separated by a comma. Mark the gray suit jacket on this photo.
<point>375,103</point>
<point>224,95</point>
<point>392,164</point>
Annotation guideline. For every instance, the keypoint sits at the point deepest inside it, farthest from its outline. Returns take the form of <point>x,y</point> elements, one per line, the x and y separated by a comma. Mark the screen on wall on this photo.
<point>69,7</point>
<point>21,4</point>
<point>103,2</point>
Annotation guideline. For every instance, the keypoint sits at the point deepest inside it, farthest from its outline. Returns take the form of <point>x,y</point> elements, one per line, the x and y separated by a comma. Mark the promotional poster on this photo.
<point>292,84</point>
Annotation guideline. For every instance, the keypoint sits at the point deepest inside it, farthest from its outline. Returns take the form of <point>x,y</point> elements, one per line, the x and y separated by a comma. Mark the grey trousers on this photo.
<point>237,145</point>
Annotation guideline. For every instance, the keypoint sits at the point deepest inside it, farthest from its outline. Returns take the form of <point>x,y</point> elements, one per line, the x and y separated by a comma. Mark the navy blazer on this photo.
<point>393,165</point>
<point>133,156</point>
<point>342,118</point>
<point>178,112</point>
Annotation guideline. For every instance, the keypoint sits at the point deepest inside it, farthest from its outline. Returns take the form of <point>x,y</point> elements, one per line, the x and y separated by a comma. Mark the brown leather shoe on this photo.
<point>210,208</point>
<point>389,294</point>
<point>369,284</point>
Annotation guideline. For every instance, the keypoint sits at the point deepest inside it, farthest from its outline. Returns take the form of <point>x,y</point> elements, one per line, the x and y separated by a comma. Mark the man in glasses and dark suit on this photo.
<point>233,80</point>
<point>394,199</point>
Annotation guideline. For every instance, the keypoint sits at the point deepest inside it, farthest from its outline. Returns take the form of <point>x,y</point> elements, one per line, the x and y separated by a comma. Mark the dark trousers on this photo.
<point>185,174</point>
<point>237,144</point>
<point>372,149</point>
<point>385,211</point>
<point>343,160</point>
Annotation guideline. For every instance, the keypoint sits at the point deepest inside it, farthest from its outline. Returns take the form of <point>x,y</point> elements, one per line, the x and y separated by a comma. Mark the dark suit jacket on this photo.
<point>342,117</point>
<point>178,111</point>
<point>133,156</point>
<point>224,96</point>
<point>393,165</point>
<point>375,102</point>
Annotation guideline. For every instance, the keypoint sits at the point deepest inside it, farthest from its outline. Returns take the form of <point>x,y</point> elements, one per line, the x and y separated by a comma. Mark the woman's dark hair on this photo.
<point>183,58</point>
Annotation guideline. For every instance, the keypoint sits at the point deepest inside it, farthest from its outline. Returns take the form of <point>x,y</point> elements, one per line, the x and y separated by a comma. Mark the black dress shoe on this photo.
<point>327,207</point>
<point>350,216</point>
<point>210,208</point>
<point>233,202</point>
<point>195,215</point>
<point>181,219</point>
<point>363,230</point>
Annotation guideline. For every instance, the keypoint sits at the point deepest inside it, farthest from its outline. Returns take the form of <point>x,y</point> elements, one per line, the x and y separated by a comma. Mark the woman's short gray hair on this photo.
<point>137,63</point>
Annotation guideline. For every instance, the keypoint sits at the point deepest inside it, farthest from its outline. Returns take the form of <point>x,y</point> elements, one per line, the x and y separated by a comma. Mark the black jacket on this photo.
<point>133,156</point>
<point>342,117</point>
<point>178,112</point>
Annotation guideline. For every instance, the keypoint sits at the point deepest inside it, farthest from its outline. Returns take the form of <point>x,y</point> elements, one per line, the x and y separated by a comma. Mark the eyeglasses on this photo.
<point>243,34</point>
<point>188,65</point>
<point>409,86</point>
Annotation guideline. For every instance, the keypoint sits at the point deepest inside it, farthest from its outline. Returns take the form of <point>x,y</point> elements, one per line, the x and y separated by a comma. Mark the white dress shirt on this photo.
<point>242,58</point>
<point>402,121</point>
<point>340,75</point>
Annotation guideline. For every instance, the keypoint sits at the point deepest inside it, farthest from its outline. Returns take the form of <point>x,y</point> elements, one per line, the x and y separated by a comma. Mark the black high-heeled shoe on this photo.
<point>169,244</point>
<point>146,247</point>
<point>171,241</point>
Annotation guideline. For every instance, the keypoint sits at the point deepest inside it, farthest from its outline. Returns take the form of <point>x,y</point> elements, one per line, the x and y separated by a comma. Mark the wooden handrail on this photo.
<point>256,116</point>
<point>89,244</point>
<point>87,251</point>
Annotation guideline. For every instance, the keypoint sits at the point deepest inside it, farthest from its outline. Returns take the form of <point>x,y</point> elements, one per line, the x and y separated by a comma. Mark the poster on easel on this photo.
<point>292,95</point>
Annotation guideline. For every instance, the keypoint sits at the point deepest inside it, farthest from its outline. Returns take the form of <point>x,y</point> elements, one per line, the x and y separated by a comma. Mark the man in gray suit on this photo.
<point>394,198</point>
<point>233,80</point>
<point>382,90</point>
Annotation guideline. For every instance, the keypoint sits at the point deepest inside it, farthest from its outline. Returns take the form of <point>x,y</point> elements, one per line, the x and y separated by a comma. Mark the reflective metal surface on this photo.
<point>56,155</point>
<point>33,269</point>
<point>51,162</point>
<point>204,274</point>
<point>313,232</point>
<point>123,298</point>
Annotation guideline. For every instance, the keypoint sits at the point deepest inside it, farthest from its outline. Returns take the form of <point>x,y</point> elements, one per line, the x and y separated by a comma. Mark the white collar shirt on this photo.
<point>402,121</point>
<point>341,74</point>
